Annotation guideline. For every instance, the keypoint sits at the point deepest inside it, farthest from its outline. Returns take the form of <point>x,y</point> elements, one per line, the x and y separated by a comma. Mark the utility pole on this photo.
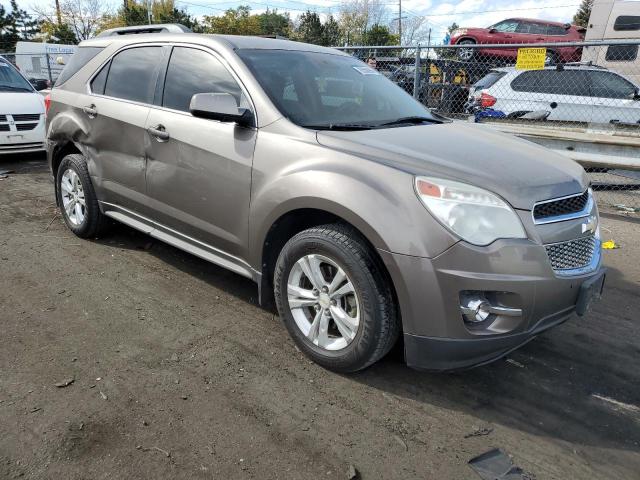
<point>400,21</point>
<point>58,13</point>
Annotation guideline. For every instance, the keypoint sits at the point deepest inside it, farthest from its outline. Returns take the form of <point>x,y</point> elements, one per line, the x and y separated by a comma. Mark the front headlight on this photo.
<point>474,214</point>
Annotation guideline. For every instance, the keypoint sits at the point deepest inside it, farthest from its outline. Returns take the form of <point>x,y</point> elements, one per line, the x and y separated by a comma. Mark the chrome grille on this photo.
<point>572,254</point>
<point>26,117</point>
<point>562,206</point>
<point>4,128</point>
<point>3,118</point>
<point>21,127</point>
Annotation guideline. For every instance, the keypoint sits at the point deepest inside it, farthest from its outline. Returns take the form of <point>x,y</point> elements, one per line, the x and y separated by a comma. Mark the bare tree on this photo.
<point>81,16</point>
<point>357,16</point>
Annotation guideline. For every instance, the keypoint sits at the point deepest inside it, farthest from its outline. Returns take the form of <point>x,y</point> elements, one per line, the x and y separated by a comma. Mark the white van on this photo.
<point>31,58</point>
<point>22,112</point>
<point>615,20</point>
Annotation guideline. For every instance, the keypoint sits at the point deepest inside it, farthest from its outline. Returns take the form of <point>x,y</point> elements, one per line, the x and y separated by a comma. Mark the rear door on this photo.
<point>199,171</point>
<point>613,98</point>
<point>116,113</point>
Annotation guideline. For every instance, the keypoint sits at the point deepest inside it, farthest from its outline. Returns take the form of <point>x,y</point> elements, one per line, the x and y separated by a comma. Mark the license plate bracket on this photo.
<point>590,290</point>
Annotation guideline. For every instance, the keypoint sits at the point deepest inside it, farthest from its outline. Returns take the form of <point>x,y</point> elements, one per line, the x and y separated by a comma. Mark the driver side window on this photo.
<point>193,71</point>
<point>508,26</point>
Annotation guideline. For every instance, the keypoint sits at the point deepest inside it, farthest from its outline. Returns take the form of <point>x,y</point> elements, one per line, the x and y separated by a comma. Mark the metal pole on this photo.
<point>49,69</point>
<point>149,11</point>
<point>400,21</point>
<point>416,75</point>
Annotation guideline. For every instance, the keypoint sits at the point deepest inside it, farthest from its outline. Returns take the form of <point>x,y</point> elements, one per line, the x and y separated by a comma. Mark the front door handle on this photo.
<point>159,133</point>
<point>91,111</point>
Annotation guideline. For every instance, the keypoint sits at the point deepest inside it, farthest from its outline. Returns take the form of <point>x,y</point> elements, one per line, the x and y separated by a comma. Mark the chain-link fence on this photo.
<point>572,89</point>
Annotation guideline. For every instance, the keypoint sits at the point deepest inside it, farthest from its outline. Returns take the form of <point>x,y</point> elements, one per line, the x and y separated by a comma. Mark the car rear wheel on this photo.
<point>334,298</point>
<point>77,199</point>
<point>466,54</point>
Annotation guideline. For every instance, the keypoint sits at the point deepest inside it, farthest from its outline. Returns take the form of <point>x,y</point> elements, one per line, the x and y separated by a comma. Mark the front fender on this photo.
<point>377,199</point>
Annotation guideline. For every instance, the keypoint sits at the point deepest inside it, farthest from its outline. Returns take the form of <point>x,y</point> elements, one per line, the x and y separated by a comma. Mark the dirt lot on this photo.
<point>179,374</point>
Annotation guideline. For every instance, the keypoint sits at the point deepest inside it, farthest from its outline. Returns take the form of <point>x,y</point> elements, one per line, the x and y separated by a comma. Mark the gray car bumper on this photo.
<point>518,275</point>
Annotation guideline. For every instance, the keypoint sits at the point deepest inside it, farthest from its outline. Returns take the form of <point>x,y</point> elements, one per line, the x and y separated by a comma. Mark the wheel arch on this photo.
<point>295,220</point>
<point>58,152</point>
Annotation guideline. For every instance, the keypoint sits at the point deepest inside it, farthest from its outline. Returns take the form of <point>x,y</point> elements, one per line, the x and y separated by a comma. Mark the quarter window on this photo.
<point>193,71</point>
<point>610,85</point>
<point>133,74</point>
<point>627,23</point>
<point>99,81</point>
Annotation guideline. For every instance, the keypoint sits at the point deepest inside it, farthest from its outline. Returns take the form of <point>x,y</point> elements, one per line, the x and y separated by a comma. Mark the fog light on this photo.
<point>478,309</point>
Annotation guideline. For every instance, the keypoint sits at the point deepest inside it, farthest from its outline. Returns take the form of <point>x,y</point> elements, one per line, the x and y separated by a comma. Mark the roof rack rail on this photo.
<point>582,64</point>
<point>141,29</point>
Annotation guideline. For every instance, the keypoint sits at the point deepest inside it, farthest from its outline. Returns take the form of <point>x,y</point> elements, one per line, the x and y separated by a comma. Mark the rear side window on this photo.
<point>76,62</point>
<point>133,74</point>
<point>621,53</point>
<point>610,85</point>
<point>627,23</point>
<point>100,80</point>
<point>193,71</point>
<point>489,80</point>
<point>553,82</point>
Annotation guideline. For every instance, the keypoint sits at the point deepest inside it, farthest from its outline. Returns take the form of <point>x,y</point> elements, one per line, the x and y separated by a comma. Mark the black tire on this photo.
<point>466,54</point>
<point>379,325</point>
<point>94,222</point>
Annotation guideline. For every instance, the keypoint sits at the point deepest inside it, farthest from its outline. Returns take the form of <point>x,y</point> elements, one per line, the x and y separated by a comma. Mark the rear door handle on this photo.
<point>159,133</point>
<point>90,111</point>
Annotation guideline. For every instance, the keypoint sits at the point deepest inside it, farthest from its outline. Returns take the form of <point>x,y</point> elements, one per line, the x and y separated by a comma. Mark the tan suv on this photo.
<point>363,214</point>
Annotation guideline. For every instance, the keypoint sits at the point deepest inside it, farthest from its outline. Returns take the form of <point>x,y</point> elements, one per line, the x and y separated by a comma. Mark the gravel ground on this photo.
<point>177,373</point>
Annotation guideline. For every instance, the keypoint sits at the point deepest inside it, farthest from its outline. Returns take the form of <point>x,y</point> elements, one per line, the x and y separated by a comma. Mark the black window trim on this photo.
<point>163,75</point>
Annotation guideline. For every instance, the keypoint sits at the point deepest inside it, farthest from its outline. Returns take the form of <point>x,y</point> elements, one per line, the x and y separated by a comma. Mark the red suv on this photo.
<point>519,30</point>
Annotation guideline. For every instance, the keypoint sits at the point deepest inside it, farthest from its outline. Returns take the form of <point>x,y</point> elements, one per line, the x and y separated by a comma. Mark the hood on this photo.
<point>21,102</point>
<point>519,171</point>
<point>461,31</point>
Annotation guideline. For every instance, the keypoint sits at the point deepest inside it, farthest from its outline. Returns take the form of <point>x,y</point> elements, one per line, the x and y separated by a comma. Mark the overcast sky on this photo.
<point>440,13</point>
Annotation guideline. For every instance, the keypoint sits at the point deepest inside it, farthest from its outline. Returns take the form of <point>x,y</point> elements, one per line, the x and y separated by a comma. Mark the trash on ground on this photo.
<point>514,362</point>
<point>496,465</point>
<point>479,432</point>
<point>103,395</point>
<point>610,245</point>
<point>6,172</point>
<point>625,208</point>
<point>352,473</point>
<point>65,383</point>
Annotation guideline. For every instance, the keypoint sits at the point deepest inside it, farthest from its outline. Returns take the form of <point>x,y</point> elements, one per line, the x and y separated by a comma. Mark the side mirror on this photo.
<point>492,30</point>
<point>636,94</point>
<point>39,83</point>
<point>221,107</point>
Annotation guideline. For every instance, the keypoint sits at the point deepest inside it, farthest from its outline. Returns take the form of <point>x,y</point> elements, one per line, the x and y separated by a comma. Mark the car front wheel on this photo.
<point>466,54</point>
<point>335,299</point>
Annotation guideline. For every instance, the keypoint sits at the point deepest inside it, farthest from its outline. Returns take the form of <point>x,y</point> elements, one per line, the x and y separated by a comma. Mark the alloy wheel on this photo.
<point>73,200</point>
<point>323,302</point>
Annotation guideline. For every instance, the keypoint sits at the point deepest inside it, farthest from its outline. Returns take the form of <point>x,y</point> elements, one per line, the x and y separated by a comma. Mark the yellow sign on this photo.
<point>531,58</point>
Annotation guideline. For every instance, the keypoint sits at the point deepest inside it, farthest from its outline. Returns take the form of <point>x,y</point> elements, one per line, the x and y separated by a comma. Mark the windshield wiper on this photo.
<point>410,120</point>
<point>340,126</point>
<point>10,87</point>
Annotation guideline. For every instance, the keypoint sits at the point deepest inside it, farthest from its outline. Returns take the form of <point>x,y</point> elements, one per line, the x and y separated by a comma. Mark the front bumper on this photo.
<point>15,141</point>
<point>516,272</point>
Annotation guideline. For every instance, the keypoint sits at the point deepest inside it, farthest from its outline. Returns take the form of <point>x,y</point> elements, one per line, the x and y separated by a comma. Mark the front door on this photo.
<point>614,98</point>
<point>199,171</point>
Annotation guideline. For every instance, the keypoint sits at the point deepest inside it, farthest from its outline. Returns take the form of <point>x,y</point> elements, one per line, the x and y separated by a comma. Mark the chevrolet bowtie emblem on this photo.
<point>590,225</point>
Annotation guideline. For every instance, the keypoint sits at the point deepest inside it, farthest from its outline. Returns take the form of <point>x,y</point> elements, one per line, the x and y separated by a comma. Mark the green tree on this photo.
<point>331,32</point>
<point>310,28</point>
<point>379,35</point>
<point>138,12</point>
<point>54,33</point>
<point>273,23</point>
<point>22,25</point>
<point>235,21</point>
<point>581,17</point>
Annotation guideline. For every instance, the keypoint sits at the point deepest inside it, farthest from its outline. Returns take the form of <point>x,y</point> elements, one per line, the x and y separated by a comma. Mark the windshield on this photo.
<point>11,80</point>
<point>318,90</point>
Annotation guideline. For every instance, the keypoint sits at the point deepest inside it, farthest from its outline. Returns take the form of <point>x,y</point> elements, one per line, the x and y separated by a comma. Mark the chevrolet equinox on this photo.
<point>361,214</point>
